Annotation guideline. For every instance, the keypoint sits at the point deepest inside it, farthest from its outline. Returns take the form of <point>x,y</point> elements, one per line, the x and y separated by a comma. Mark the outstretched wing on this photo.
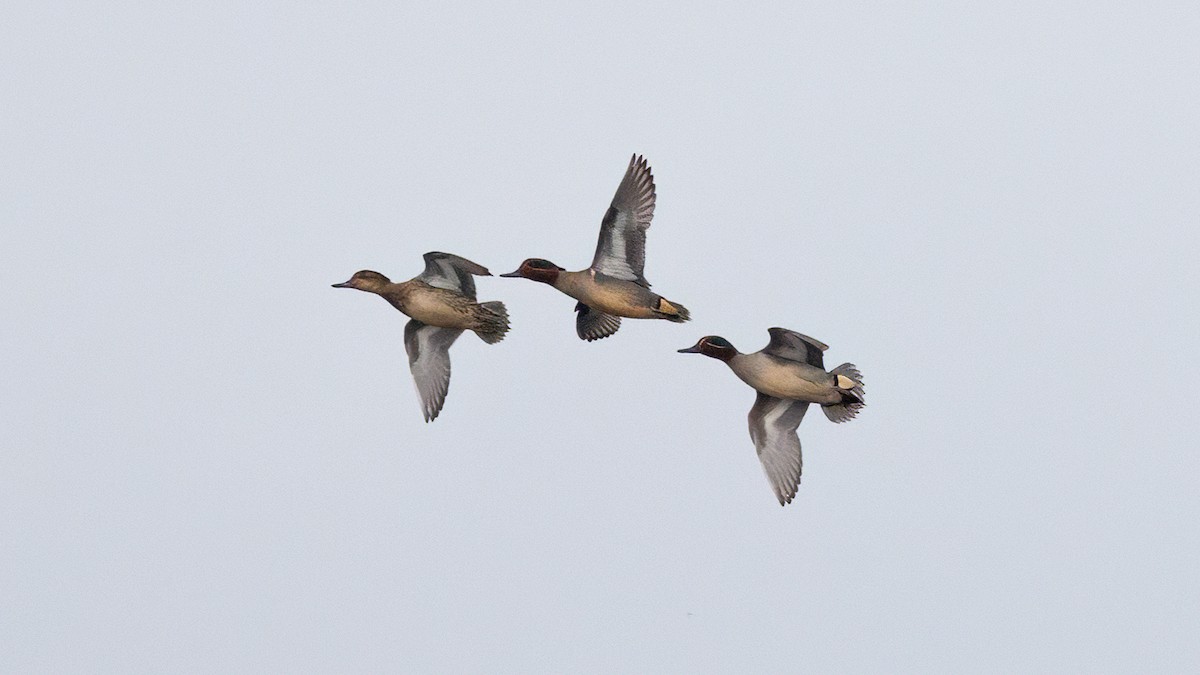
<point>621,251</point>
<point>773,423</point>
<point>592,324</point>
<point>451,272</point>
<point>790,345</point>
<point>428,350</point>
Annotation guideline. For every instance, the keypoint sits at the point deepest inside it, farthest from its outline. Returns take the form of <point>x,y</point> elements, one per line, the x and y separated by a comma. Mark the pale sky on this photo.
<point>213,462</point>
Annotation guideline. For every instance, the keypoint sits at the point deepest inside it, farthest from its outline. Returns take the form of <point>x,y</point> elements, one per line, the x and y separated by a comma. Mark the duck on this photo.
<point>441,305</point>
<point>788,375</point>
<point>614,287</point>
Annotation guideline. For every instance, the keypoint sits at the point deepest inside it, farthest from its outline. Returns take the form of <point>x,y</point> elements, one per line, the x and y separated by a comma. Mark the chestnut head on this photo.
<point>537,270</point>
<point>712,345</point>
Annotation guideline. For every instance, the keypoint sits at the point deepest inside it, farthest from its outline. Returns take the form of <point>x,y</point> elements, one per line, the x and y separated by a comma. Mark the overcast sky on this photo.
<point>212,461</point>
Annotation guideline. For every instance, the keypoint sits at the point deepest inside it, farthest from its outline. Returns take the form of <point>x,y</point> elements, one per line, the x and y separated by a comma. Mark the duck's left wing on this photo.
<point>428,350</point>
<point>773,423</point>
<point>621,251</point>
<point>793,346</point>
<point>592,324</point>
<point>451,272</point>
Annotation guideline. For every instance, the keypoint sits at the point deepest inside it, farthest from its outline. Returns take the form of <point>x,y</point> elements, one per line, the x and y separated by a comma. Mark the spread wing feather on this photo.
<point>451,272</point>
<point>621,250</point>
<point>428,350</point>
<point>793,346</point>
<point>773,423</point>
<point>592,324</point>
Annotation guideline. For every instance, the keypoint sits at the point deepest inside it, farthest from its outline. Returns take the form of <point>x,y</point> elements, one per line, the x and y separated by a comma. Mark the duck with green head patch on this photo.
<point>614,286</point>
<point>788,374</point>
<point>441,303</point>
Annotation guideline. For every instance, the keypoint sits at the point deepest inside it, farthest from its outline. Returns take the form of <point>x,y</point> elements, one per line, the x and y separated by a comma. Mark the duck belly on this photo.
<point>620,304</point>
<point>612,296</point>
<point>447,310</point>
<point>793,383</point>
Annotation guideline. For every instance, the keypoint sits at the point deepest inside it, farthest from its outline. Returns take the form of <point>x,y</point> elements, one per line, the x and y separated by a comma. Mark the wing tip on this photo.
<point>639,164</point>
<point>785,497</point>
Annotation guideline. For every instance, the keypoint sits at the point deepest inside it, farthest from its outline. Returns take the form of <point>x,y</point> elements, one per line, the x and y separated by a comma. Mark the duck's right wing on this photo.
<point>793,346</point>
<point>592,324</point>
<point>621,251</point>
<point>428,350</point>
<point>451,272</point>
<point>773,423</point>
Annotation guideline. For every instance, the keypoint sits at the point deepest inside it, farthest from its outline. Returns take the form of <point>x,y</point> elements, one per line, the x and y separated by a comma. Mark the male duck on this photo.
<point>788,374</point>
<point>613,287</point>
<point>441,302</point>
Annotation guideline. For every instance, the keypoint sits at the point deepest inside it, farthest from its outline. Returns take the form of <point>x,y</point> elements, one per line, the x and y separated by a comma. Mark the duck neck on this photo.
<point>396,294</point>
<point>571,283</point>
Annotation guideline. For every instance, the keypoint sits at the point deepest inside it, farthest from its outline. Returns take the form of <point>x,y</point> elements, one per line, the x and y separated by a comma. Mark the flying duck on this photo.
<point>614,286</point>
<point>441,303</point>
<point>788,374</point>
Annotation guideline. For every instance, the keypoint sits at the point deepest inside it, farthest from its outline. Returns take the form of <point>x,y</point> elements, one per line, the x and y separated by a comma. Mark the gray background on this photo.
<point>213,461</point>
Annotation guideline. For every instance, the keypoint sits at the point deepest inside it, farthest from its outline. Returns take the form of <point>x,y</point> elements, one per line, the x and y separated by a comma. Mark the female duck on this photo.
<point>441,302</point>
<point>788,374</point>
<point>614,286</point>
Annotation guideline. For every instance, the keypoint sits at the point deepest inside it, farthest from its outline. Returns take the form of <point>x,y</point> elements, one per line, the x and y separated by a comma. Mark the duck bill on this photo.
<point>514,274</point>
<point>344,284</point>
<point>695,349</point>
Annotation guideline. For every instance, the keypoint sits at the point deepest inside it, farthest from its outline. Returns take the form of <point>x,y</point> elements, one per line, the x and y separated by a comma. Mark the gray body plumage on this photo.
<point>782,378</point>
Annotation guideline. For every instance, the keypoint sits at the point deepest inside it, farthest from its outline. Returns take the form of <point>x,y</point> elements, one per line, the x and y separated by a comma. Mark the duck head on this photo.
<point>712,345</point>
<point>538,270</point>
<point>366,280</point>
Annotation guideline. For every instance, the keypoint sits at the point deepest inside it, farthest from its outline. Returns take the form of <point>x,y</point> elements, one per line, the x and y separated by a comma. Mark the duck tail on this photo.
<point>849,384</point>
<point>493,322</point>
<point>672,311</point>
